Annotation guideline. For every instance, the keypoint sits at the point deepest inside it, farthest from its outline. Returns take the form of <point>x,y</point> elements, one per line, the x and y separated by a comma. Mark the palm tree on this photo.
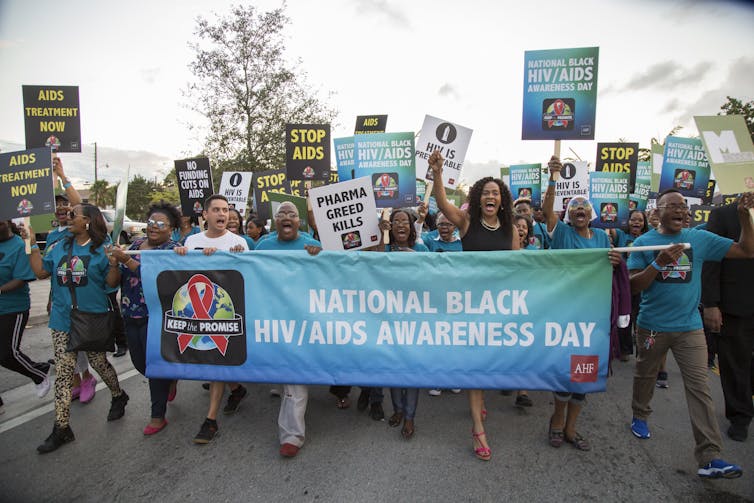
<point>100,194</point>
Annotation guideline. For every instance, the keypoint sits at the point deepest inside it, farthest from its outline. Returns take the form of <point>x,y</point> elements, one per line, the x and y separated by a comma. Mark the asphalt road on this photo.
<point>350,457</point>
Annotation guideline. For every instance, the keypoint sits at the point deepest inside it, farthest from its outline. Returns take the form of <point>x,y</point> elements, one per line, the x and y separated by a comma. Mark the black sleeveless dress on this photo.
<point>478,238</point>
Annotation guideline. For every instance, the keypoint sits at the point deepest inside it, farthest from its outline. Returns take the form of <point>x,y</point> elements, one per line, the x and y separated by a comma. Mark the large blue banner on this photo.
<point>505,320</point>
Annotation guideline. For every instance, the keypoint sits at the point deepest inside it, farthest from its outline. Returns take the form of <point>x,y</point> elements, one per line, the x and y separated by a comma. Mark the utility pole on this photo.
<point>95,162</point>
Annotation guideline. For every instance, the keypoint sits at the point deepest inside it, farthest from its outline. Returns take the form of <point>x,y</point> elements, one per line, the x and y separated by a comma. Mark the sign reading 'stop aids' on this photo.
<point>307,151</point>
<point>560,94</point>
<point>51,117</point>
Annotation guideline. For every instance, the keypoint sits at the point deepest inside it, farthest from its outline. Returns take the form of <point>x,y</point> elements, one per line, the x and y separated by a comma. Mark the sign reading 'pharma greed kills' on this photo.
<point>26,183</point>
<point>51,117</point>
<point>346,215</point>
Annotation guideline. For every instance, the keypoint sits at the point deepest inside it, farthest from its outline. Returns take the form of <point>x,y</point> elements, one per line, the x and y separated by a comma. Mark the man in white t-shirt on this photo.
<point>216,237</point>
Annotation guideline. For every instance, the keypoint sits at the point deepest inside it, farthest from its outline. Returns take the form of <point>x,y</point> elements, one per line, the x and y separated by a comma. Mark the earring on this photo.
<point>87,226</point>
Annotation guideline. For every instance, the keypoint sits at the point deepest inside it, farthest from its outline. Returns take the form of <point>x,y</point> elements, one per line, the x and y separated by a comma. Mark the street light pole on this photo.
<point>95,161</point>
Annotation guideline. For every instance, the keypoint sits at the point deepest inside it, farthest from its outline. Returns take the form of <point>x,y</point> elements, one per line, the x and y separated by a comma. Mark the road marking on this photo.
<point>49,407</point>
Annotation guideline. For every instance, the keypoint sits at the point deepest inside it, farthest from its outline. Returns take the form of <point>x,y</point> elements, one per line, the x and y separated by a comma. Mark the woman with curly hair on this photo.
<point>86,253</point>
<point>161,220</point>
<point>486,225</point>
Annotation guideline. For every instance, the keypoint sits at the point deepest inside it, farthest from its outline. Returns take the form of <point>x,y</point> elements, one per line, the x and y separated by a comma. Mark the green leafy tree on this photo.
<point>737,107</point>
<point>139,196</point>
<point>99,194</point>
<point>247,90</point>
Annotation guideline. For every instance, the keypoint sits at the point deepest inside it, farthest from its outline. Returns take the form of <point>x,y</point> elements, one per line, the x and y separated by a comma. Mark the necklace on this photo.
<point>490,227</point>
<point>85,242</point>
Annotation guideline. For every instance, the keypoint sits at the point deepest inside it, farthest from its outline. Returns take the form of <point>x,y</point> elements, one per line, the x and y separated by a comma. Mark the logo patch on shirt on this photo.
<point>75,271</point>
<point>679,271</point>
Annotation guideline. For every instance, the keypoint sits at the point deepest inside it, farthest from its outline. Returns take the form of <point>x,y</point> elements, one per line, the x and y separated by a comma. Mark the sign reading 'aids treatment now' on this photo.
<point>684,166</point>
<point>366,124</point>
<point>618,158</point>
<point>194,184</point>
<point>26,183</point>
<point>492,320</point>
<point>235,186</point>
<point>265,182</point>
<point>560,94</point>
<point>346,215</point>
<point>729,150</point>
<point>525,182</point>
<point>307,151</point>
<point>608,193</point>
<point>452,140</point>
<point>573,181</point>
<point>51,117</point>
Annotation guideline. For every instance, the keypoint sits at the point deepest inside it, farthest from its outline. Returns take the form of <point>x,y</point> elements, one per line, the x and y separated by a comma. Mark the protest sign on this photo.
<point>370,124</point>
<point>277,198</point>
<point>573,181</point>
<point>344,158</point>
<point>26,183</point>
<point>452,140</point>
<point>235,185</point>
<point>618,158</point>
<point>346,215</point>
<point>266,182</point>
<point>700,214</point>
<point>307,151</point>
<point>51,117</point>
<point>286,316</point>
<point>608,193</point>
<point>656,153</point>
<point>525,182</point>
<point>684,166</point>
<point>505,175</point>
<point>710,192</point>
<point>121,198</point>
<point>194,184</point>
<point>388,160</point>
<point>729,150</point>
<point>638,199</point>
<point>560,94</point>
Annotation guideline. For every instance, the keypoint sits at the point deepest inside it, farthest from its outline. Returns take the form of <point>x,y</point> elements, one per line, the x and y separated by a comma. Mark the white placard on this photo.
<point>235,186</point>
<point>451,139</point>
<point>573,181</point>
<point>346,214</point>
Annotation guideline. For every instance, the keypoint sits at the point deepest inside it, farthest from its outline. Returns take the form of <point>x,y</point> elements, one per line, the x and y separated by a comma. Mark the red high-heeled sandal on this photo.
<point>481,452</point>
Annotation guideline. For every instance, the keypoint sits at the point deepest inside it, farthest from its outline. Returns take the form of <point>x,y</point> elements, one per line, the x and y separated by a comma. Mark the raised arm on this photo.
<point>744,248</point>
<point>35,258</point>
<point>551,218</point>
<point>458,217</point>
<point>73,195</point>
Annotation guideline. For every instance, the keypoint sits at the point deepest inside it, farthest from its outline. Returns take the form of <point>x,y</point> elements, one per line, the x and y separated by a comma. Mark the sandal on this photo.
<point>408,429</point>
<point>481,452</point>
<point>395,419</point>
<point>343,403</point>
<point>579,442</point>
<point>556,436</point>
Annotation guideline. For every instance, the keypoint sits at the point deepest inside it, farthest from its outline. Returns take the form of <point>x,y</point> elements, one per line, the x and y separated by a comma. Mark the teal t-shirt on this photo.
<point>565,237</point>
<point>14,264</point>
<point>418,247</point>
<point>541,237</point>
<point>89,272</point>
<point>670,304</point>
<point>56,235</point>
<point>273,243</point>
<point>435,244</point>
<point>249,242</point>
<point>176,234</point>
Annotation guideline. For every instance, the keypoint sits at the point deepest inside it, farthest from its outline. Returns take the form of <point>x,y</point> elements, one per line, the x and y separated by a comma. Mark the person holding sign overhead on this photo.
<point>574,232</point>
<point>291,420</point>
<point>486,225</point>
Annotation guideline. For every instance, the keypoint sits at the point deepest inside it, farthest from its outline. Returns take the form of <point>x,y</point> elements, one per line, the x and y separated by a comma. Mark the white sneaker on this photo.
<point>44,387</point>
<point>435,392</point>
<point>455,391</point>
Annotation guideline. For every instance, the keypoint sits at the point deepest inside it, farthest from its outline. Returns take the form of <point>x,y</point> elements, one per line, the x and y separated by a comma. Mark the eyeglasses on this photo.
<point>289,214</point>
<point>72,215</point>
<point>674,206</point>
<point>580,206</point>
<point>156,223</point>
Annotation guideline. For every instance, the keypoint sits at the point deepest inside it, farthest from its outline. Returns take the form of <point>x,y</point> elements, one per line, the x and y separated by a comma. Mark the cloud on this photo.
<point>666,75</point>
<point>447,90</point>
<point>382,8</point>
<point>149,75</point>
<point>8,44</point>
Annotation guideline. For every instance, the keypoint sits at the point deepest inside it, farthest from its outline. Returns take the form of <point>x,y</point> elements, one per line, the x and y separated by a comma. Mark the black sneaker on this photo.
<point>121,351</point>
<point>118,407</point>
<point>234,400</point>
<point>738,432</point>
<point>58,437</point>
<point>523,401</point>
<point>376,412</point>
<point>207,432</point>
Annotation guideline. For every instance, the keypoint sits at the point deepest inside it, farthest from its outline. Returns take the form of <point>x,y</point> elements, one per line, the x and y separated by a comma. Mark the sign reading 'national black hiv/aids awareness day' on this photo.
<point>560,94</point>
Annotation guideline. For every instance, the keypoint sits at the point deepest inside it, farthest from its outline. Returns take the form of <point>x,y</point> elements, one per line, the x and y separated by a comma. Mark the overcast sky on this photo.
<point>660,63</point>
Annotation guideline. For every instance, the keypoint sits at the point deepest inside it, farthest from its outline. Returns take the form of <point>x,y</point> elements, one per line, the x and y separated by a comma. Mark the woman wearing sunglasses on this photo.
<point>81,261</point>
<point>574,232</point>
<point>161,220</point>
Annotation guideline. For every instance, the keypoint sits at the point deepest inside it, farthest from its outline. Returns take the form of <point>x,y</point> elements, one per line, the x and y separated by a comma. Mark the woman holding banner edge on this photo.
<point>486,225</point>
<point>573,232</point>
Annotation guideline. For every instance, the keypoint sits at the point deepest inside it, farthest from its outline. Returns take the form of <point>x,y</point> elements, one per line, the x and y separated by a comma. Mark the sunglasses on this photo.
<point>156,223</point>
<point>72,215</point>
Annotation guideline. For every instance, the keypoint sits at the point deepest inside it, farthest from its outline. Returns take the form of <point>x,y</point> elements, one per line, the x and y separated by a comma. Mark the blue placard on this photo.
<point>609,194</point>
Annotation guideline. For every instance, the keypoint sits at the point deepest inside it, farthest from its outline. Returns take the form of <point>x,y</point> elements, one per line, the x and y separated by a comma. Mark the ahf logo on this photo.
<point>584,368</point>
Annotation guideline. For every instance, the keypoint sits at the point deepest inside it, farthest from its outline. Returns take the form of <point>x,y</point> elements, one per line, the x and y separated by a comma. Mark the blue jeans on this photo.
<point>405,400</point>
<point>159,389</point>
